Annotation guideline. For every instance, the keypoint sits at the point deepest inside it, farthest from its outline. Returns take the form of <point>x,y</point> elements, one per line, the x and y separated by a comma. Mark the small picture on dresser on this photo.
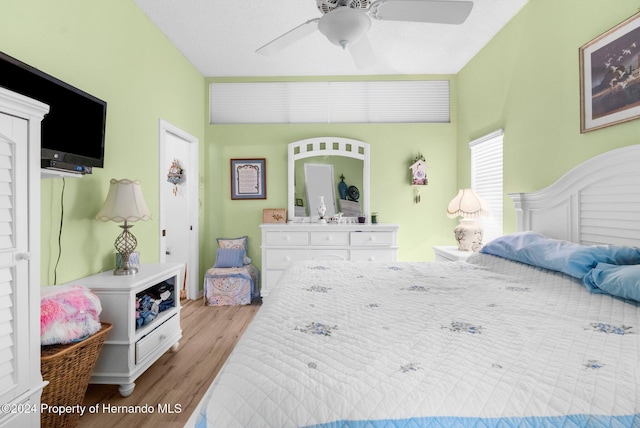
<point>274,215</point>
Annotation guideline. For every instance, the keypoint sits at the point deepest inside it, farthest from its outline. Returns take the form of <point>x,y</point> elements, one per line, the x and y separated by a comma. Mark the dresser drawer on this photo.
<point>334,254</point>
<point>372,238</point>
<point>282,258</point>
<point>286,238</point>
<point>330,238</point>
<point>162,337</point>
<point>386,255</point>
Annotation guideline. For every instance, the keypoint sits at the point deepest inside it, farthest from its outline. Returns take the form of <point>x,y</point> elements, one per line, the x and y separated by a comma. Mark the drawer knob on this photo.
<point>329,238</point>
<point>372,238</point>
<point>287,238</point>
<point>288,259</point>
<point>163,337</point>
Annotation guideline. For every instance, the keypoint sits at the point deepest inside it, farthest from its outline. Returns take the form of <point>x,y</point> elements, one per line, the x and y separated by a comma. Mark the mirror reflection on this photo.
<point>337,178</point>
<point>337,169</point>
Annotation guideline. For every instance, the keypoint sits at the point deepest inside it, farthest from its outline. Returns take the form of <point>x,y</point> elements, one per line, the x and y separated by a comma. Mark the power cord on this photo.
<point>55,269</point>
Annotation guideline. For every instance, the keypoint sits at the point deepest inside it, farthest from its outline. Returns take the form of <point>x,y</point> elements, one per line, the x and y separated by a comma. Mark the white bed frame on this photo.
<point>597,202</point>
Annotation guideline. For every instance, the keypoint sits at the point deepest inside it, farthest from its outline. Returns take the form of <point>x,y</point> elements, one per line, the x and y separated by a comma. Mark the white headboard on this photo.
<point>597,202</point>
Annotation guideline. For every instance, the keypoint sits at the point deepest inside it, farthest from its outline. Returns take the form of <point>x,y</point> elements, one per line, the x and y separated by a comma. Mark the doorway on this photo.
<point>179,202</point>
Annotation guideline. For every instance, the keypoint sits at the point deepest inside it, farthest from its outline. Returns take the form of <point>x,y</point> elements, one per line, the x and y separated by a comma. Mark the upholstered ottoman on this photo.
<point>231,286</point>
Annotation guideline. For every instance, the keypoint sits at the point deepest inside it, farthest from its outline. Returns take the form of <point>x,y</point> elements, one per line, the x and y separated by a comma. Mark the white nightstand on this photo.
<point>450,254</point>
<point>130,348</point>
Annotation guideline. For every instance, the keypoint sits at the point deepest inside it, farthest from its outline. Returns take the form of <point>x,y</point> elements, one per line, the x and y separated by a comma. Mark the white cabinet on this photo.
<point>450,254</point>
<point>284,244</point>
<point>20,379</point>
<point>132,346</point>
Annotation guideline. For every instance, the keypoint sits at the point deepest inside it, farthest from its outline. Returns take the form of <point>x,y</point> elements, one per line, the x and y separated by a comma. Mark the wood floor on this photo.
<point>177,381</point>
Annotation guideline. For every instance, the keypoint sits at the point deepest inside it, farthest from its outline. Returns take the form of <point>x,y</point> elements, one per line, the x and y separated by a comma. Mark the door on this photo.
<point>179,202</point>
<point>13,250</point>
<point>20,378</point>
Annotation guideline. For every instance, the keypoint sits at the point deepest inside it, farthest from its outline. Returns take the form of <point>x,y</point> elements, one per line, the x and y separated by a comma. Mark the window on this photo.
<point>410,101</point>
<point>486,180</point>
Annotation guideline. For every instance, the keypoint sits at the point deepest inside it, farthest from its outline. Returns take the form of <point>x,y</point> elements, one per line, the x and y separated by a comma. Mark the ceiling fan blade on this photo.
<point>433,11</point>
<point>362,53</point>
<point>289,38</point>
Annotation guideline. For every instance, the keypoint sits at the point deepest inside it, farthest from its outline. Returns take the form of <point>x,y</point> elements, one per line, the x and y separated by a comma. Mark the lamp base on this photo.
<point>468,233</point>
<point>126,271</point>
<point>125,245</point>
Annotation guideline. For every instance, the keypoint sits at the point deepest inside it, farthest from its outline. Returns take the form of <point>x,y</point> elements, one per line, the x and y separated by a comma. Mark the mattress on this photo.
<point>483,343</point>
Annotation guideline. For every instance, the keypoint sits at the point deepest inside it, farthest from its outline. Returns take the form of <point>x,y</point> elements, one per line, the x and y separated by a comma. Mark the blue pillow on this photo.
<point>229,258</point>
<point>562,256</point>
<point>241,242</point>
<point>621,281</point>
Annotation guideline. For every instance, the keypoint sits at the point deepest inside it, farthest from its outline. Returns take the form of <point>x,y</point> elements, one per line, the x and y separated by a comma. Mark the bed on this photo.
<point>496,341</point>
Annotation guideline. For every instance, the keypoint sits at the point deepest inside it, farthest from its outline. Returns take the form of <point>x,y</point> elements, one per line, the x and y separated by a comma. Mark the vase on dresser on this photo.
<point>322,209</point>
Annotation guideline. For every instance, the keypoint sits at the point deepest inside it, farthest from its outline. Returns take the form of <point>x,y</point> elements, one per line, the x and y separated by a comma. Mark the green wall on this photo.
<point>393,149</point>
<point>113,51</point>
<point>526,80</point>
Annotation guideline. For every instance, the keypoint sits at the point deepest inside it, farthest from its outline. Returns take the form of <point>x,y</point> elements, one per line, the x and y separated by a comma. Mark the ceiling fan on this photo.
<point>346,22</point>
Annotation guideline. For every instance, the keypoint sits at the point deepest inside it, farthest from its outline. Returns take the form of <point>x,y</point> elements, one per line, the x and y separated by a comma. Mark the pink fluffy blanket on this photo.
<point>68,313</point>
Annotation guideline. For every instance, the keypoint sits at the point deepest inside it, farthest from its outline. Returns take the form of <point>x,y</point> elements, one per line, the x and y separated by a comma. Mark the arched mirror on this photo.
<point>332,167</point>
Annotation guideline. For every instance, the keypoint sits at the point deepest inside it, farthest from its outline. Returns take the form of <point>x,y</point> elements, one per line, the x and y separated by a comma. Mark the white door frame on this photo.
<point>193,273</point>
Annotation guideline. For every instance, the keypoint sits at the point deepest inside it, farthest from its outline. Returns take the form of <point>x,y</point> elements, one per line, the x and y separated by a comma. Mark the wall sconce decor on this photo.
<point>125,203</point>
<point>418,176</point>
<point>175,175</point>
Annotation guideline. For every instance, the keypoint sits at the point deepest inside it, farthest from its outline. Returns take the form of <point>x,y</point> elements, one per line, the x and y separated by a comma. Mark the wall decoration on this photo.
<point>418,176</point>
<point>610,77</point>
<point>175,175</point>
<point>248,179</point>
<point>274,215</point>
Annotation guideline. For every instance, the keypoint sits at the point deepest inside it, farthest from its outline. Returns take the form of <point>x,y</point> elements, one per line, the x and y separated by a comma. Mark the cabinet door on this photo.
<point>14,288</point>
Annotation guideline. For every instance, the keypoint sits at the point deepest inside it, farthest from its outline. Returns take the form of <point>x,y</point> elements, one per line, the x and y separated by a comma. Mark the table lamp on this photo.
<point>125,203</point>
<point>468,205</point>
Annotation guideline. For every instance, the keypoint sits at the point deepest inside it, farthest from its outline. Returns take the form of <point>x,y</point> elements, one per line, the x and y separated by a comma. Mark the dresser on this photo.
<point>284,244</point>
<point>133,345</point>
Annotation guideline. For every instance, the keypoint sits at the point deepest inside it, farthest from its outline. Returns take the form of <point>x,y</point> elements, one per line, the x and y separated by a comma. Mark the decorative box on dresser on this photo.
<point>283,244</point>
<point>130,349</point>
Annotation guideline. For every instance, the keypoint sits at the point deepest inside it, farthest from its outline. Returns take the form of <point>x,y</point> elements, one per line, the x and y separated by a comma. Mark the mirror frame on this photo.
<point>329,146</point>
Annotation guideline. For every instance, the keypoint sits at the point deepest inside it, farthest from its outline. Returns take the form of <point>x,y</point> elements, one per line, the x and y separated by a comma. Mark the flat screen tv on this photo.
<point>73,130</point>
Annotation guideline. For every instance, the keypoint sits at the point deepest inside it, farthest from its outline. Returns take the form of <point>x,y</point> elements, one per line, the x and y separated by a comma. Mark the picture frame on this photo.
<point>248,178</point>
<point>274,215</point>
<point>610,77</point>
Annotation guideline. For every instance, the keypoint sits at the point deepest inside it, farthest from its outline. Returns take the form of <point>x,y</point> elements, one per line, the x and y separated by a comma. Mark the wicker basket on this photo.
<point>68,369</point>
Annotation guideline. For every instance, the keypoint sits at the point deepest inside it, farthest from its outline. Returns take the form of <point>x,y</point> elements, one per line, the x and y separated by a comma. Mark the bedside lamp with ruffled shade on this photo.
<point>468,205</point>
<point>125,203</point>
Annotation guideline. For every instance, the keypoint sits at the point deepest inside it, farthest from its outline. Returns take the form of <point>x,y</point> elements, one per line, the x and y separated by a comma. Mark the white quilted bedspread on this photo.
<point>479,344</point>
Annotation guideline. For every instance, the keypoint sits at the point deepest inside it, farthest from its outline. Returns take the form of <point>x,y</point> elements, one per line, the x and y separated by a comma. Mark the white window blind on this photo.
<point>424,101</point>
<point>486,180</point>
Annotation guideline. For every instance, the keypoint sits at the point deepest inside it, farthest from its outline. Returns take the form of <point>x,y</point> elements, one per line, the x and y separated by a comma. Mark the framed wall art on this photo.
<point>610,77</point>
<point>248,179</point>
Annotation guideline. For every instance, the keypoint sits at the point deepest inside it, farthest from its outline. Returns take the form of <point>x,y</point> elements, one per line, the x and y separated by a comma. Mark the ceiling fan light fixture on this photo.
<point>344,26</point>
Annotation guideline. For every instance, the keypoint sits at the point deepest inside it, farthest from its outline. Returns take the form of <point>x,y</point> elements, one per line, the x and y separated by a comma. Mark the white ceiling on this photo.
<point>219,37</point>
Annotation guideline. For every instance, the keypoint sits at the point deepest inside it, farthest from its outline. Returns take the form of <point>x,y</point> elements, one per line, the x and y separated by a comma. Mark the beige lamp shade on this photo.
<point>467,204</point>
<point>124,202</point>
